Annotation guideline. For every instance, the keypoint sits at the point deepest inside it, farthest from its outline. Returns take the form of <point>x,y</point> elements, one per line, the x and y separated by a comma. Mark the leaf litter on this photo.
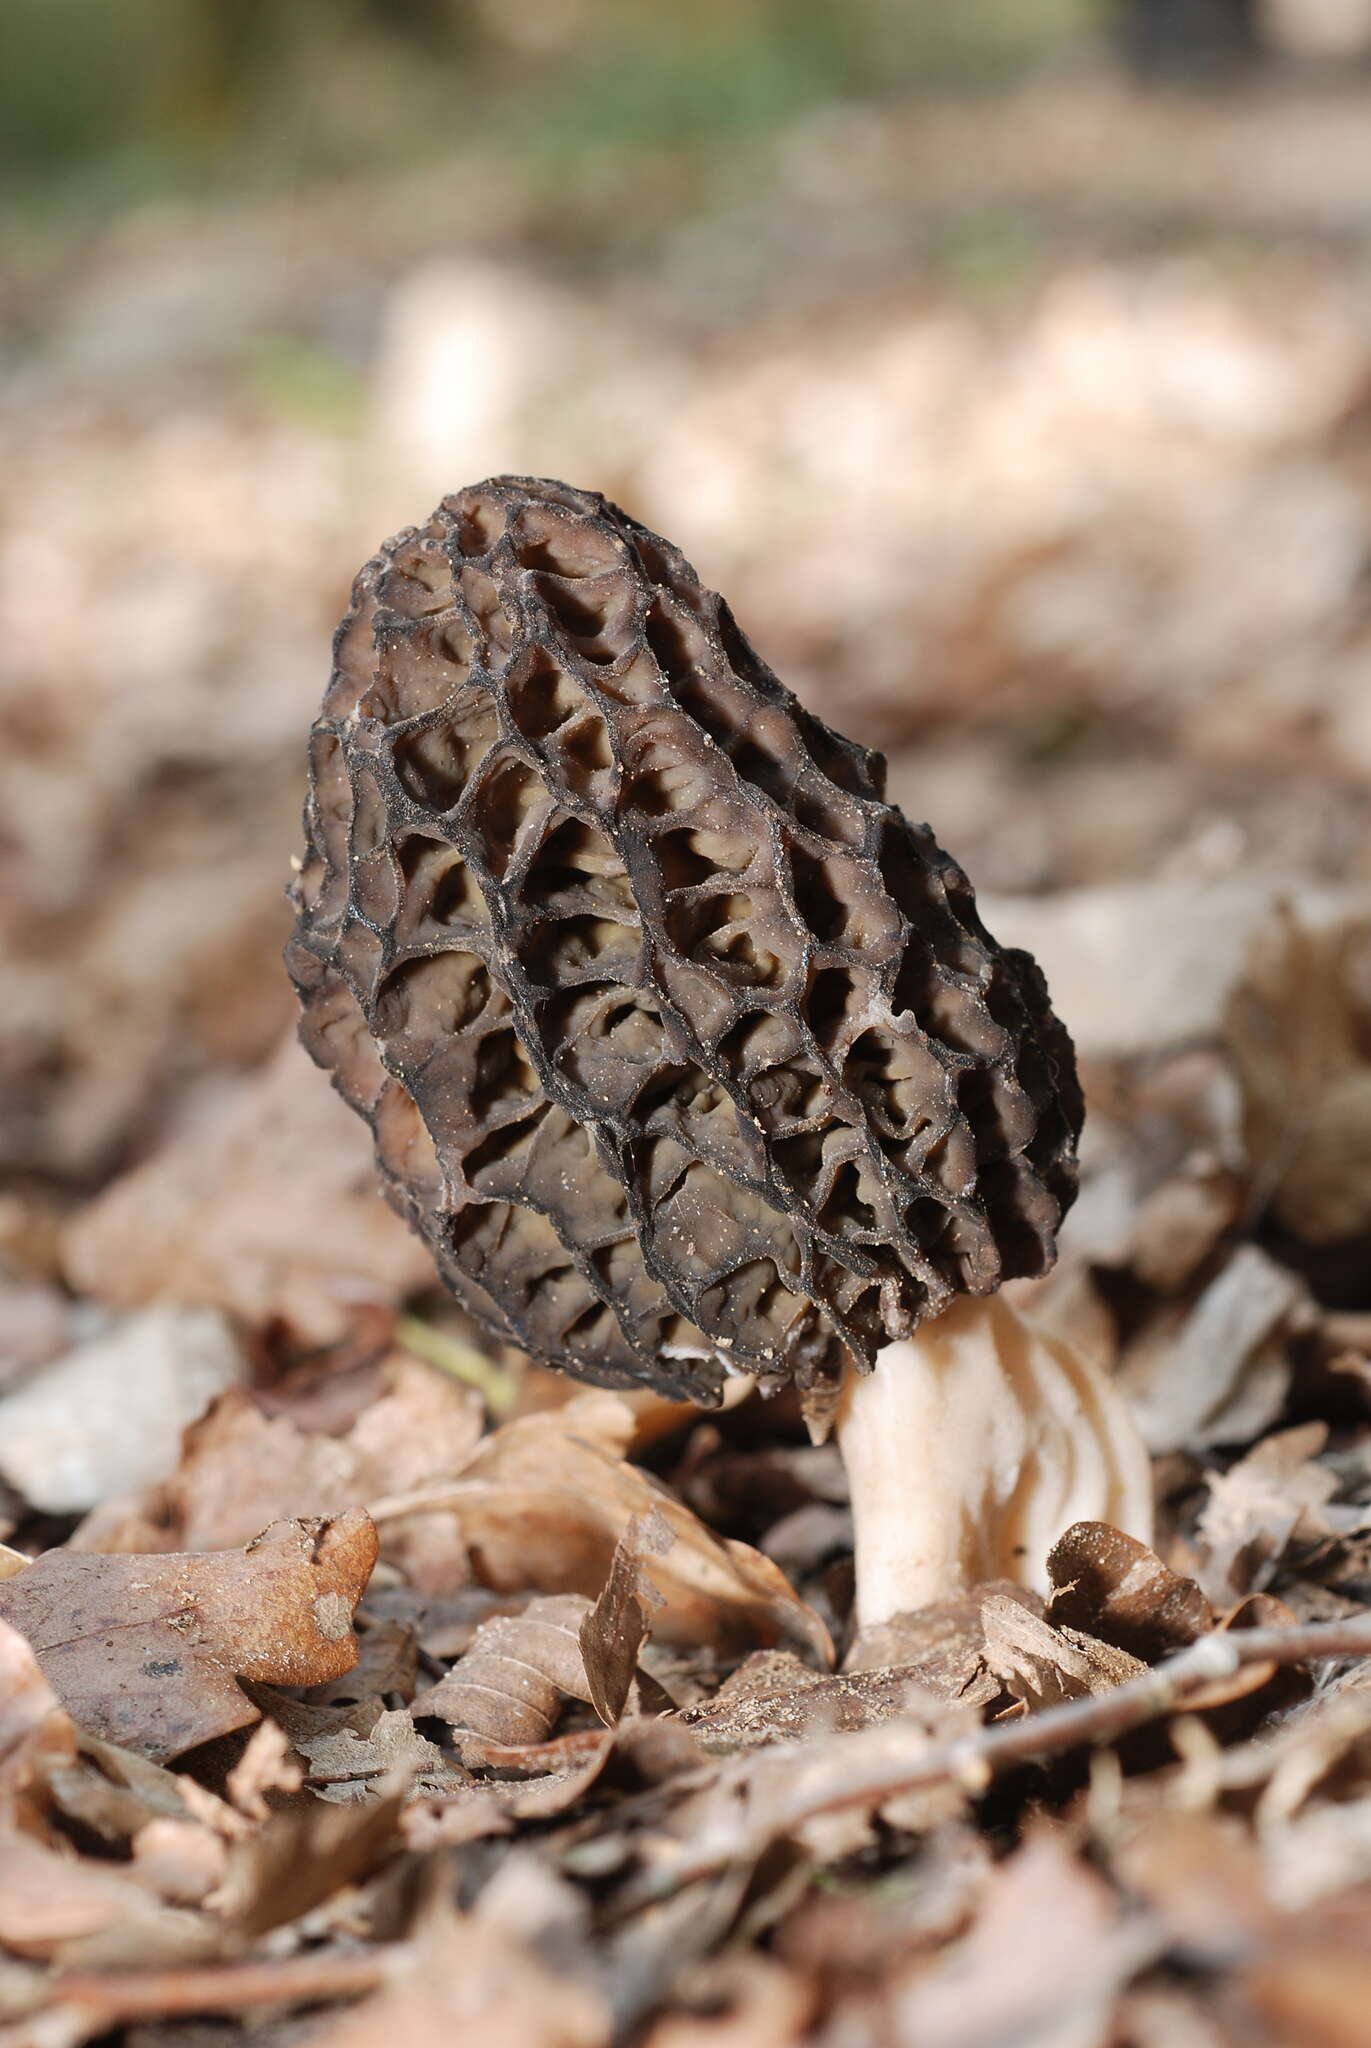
<point>372,1715</point>
<point>1137,1813</point>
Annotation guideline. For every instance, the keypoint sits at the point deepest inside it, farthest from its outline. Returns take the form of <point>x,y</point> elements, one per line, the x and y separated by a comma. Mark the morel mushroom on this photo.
<point>686,1053</point>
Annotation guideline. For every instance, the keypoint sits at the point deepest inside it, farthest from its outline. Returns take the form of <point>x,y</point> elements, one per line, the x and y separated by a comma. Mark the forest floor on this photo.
<point>1036,451</point>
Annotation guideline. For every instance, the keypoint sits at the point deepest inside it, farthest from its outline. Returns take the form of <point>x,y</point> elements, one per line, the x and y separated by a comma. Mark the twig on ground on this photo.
<point>122,1995</point>
<point>875,1764</point>
<point>420,1500</point>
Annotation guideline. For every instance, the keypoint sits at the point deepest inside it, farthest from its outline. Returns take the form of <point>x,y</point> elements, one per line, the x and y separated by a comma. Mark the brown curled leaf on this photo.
<point>1115,1588</point>
<point>541,1507</point>
<point>305,1853</point>
<point>620,1622</point>
<point>1120,1591</point>
<point>511,1684</point>
<point>147,1651</point>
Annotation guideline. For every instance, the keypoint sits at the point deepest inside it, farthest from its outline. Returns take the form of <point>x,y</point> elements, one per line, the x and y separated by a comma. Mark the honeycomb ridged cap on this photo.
<point>678,1042</point>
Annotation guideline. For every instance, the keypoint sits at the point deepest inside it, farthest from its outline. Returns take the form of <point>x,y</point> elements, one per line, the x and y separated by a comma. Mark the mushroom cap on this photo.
<point>679,1043</point>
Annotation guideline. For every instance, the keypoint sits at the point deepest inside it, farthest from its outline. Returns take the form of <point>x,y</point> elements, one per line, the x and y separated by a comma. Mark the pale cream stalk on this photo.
<point>971,1447</point>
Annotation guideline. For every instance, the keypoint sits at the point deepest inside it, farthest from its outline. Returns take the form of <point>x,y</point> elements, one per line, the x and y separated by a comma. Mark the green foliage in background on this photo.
<point>102,101</point>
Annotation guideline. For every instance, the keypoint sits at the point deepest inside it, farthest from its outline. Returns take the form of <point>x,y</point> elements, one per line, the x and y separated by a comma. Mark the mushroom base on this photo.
<point>971,1447</point>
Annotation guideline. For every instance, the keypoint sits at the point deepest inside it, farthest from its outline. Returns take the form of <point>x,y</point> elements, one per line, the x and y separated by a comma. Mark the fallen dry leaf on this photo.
<point>35,1732</point>
<point>1194,940</point>
<point>535,1783</point>
<point>617,1626</point>
<point>743,2001</point>
<point>510,1686</point>
<point>1317,1993</point>
<point>941,1648</point>
<point>1202,1876</point>
<point>542,1505</point>
<point>345,1764</point>
<point>1236,1703</point>
<point>1259,1505</point>
<point>774,1697</point>
<point>1115,1588</point>
<point>35,1324</point>
<point>243,1468</point>
<point>180,1861</point>
<point>266,1766</point>
<point>267,1206</point>
<point>1180,1223</point>
<point>1040,1664</point>
<point>27,1700</point>
<point>302,1855</point>
<point>1216,1372</point>
<point>111,1794</point>
<point>421,1429</point>
<point>387,1665</point>
<point>147,1651</point>
<point>1299,1028</point>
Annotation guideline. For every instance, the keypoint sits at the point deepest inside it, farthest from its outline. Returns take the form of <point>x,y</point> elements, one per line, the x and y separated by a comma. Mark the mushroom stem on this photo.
<point>971,1447</point>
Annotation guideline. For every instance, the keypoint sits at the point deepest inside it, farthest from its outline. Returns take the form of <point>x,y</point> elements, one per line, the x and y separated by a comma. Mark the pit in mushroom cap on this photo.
<point>675,1037</point>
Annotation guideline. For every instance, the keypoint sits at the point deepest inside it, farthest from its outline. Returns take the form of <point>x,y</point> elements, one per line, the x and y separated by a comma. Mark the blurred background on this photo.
<point>1008,364</point>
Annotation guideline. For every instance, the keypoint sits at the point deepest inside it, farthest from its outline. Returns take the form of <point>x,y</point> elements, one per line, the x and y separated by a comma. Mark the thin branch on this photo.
<point>121,1995</point>
<point>420,1500</point>
<point>875,1764</point>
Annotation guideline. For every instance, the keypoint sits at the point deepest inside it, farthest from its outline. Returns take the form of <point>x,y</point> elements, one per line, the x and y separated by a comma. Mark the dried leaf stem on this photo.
<point>875,1764</point>
<point>123,1995</point>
